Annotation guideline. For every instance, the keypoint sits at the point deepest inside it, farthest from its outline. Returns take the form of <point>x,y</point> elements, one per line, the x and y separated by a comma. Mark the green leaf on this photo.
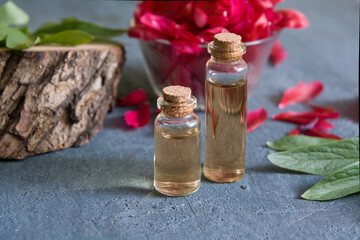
<point>295,141</point>
<point>339,184</point>
<point>17,40</point>
<point>322,159</point>
<point>74,24</point>
<point>11,14</point>
<point>69,37</point>
<point>5,31</point>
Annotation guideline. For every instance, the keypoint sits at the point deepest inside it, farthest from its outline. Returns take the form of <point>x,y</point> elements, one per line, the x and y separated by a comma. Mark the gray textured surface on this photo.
<point>104,189</point>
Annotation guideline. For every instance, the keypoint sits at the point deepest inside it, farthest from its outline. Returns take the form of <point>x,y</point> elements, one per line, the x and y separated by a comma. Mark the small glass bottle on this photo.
<point>177,143</point>
<point>225,112</point>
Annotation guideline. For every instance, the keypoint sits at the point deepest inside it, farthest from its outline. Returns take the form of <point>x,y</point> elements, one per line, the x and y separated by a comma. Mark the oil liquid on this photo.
<point>177,165</point>
<point>225,129</point>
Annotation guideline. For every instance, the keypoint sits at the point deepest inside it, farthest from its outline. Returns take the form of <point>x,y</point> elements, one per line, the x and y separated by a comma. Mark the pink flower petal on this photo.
<point>296,131</point>
<point>186,47</point>
<point>309,125</point>
<point>321,109</point>
<point>318,133</point>
<point>134,98</point>
<point>159,23</point>
<point>324,125</point>
<point>260,28</point>
<point>256,118</point>
<point>264,4</point>
<point>301,93</point>
<point>207,35</point>
<point>306,118</point>
<point>291,18</point>
<point>278,54</point>
<point>144,33</point>
<point>200,17</point>
<point>218,21</point>
<point>138,118</point>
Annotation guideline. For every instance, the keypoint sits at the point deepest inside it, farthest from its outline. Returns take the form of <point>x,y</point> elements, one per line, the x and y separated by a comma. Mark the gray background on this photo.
<point>104,189</point>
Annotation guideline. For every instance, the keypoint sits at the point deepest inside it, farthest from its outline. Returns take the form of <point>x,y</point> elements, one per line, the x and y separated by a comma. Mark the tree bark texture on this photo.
<point>54,97</point>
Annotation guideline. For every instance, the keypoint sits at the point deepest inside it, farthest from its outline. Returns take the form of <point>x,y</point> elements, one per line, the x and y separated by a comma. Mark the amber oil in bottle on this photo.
<point>225,112</point>
<point>177,143</point>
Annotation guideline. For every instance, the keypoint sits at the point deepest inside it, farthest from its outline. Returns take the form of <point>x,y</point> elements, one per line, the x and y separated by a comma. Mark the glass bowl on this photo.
<point>165,66</point>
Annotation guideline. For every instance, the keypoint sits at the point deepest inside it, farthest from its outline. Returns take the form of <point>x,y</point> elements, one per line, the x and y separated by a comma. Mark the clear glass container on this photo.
<point>225,120</point>
<point>165,66</point>
<point>177,152</point>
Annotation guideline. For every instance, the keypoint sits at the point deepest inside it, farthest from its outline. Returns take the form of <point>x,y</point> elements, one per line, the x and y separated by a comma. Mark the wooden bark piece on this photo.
<point>54,97</point>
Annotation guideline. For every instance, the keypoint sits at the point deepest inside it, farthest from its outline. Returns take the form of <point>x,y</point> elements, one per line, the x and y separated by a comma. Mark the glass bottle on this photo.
<point>225,112</point>
<point>177,143</point>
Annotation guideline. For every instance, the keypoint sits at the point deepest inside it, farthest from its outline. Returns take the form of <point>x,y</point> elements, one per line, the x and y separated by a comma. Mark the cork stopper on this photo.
<point>177,101</point>
<point>227,40</point>
<point>226,47</point>
<point>176,94</point>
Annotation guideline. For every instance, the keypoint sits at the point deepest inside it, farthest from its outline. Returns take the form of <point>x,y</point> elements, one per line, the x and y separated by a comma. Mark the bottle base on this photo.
<point>175,189</point>
<point>223,176</point>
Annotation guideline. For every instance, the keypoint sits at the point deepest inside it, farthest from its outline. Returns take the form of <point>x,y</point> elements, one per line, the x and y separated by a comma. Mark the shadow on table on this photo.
<point>74,170</point>
<point>117,123</point>
<point>271,169</point>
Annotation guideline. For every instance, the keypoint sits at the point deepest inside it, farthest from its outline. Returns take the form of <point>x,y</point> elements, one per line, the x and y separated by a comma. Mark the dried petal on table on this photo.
<point>256,118</point>
<point>134,98</point>
<point>321,109</point>
<point>318,133</point>
<point>307,118</point>
<point>301,93</point>
<point>296,131</point>
<point>324,125</point>
<point>304,117</point>
<point>138,118</point>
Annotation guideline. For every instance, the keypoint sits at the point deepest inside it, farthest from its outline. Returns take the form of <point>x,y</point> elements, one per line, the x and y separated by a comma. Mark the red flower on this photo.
<point>138,118</point>
<point>252,19</point>
<point>256,118</point>
<point>278,54</point>
<point>134,98</point>
<point>301,93</point>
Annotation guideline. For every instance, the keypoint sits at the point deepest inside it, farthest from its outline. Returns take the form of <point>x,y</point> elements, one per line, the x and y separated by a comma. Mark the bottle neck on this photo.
<point>172,118</point>
<point>226,61</point>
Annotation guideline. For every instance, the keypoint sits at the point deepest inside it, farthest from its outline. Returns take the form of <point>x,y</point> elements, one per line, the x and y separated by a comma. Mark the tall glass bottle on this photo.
<point>225,112</point>
<point>177,144</point>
